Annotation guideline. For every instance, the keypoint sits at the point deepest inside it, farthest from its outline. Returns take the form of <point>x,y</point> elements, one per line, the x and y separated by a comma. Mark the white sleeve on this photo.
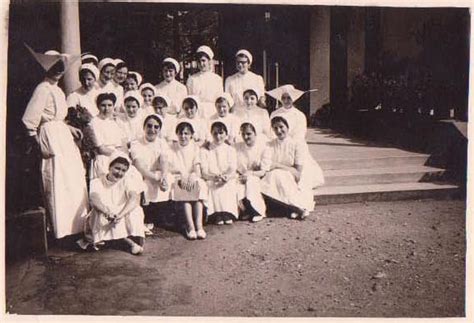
<point>34,110</point>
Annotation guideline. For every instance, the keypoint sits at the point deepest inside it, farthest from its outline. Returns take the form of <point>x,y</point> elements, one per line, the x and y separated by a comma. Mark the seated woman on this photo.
<point>131,123</point>
<point>116,212</point>
<point>188,190</point>
<point>287,95</point>
<point>150,157</point>
<point>161,104</point>
<point>283,184</point>
<point>218,167</point>
<point>253,161</point>
<point>108,137</point>
<point>189,113</point>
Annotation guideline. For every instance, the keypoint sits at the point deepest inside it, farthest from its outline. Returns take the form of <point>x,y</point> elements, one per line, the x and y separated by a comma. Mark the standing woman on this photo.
<point>244,79</point>
<point>282,184</point>
<point>205,84</point>
<point>106,82</point>
<point>173,89</point>
<point>287,95</point>
<point>62,170</point>
<point>147,91</point>
<point>121,71</point>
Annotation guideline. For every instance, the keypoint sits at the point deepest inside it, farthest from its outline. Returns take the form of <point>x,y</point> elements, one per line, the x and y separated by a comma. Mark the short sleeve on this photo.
<point>134,181</point>
<point>72,100</point>
<point>96,186</point>
<point>136,150</point>
<point>34,110</point>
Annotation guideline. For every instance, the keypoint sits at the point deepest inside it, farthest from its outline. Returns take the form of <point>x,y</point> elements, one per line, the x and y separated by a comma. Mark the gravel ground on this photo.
<point>377,259</point>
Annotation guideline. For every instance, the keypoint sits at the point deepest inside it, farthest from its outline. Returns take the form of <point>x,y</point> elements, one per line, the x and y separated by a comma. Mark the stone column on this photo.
<point>71,42</point>
<point>319,47</point>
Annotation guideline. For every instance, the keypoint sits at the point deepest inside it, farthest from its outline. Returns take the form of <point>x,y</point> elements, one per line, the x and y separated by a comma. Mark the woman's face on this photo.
<point>280,130</point>
<point>242,64</point>
<point>152,129</point>
<point>248,135</point>
<point>106,108</point>
<point>250,100</point>
<point>56,71</point>
<point>160,108</point>
<point>169,73</point>
<point>219,135</point>
<point>107,73</point>
<point>190,110</point>
<point>204,63</point>
<point>121,75</point>
<point>88,80</point>
<point>286,100</point>
<point>130,84</point>
<point>117,172</point>
<point>147,95</point>
<point>131,106</point>
<point>222,108</point>
<point>184,136</point>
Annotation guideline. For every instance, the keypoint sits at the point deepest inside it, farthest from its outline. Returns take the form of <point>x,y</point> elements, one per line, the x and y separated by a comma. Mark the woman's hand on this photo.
<point>163,184</point>
<point>76,133</point>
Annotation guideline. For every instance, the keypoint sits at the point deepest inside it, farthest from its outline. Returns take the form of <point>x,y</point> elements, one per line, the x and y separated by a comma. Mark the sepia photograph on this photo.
<point>236,160</point>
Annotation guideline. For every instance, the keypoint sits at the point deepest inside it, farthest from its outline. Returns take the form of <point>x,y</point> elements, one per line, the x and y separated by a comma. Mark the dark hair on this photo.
<point>183,125</point>
<point>130,98</point>
<point>120,160</point>
<point>158,99</point>
<point>133,76</point>
<point>221,99</point>
<point>246,125</point>
<point>82,75</point>
<point>121,65</point>
<point>58,67</point>
<point>89,60</point>
<point>200,54</point>
<point>241,55</point>
<point>108,64</point>
<point>279,119</point>
<point>251,91</point>
<point>169,65</point>
<point>105,96</point>
<point>154,117</point>
<point>218,126</point>
<point>190,101</point>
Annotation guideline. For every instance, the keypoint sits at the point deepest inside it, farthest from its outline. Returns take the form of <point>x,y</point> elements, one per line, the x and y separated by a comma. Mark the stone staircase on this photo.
<point>357,171</point>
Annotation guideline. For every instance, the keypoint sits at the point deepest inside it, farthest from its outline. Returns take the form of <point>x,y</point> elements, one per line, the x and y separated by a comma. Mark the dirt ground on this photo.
<point>377,259</point>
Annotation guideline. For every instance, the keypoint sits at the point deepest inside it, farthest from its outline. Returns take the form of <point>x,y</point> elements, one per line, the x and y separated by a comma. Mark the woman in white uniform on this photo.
<point>85,96</point>
<point>106,83</point>
<point>161,105</point>
<point>282,184</point>
<point>244,79</point>
<point>131,122</point>
<point>63,174</point>
<point>287,95</point>
<point>172,88</point>
<point>254,113</point>
<point>205,84</point>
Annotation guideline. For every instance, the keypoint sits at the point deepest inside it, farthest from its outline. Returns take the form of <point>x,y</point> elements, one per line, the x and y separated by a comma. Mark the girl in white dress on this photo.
<point>109,138</point>
<point>283,184</point>
<point>257,115</point>
<point>63,175</point>
<point>116,212</point>
<point>205,84</point>
<point>223,104</point>
<point>218,167</point>
<point>188,190</point>
<point>170,87</point>
<point>131,123</point>
<point>161,105</point>
<point>150,156</point>
<point>189,113</point>
<point>253,161</point>
<point>147,91</point>
<point>287,95</point>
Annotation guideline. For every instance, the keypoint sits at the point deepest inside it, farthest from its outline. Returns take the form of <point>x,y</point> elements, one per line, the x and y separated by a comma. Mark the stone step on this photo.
<point>405,174</point>
<point>373,161</point>
<point>384,192</point>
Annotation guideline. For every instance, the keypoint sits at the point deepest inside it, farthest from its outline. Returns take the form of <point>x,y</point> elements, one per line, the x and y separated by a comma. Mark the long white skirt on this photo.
<point>252,191</point>
<point>281,185</point>
<point>63,177</point>
<point>98,228</point>
<point>312,174</point>
<point>222,198</point>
